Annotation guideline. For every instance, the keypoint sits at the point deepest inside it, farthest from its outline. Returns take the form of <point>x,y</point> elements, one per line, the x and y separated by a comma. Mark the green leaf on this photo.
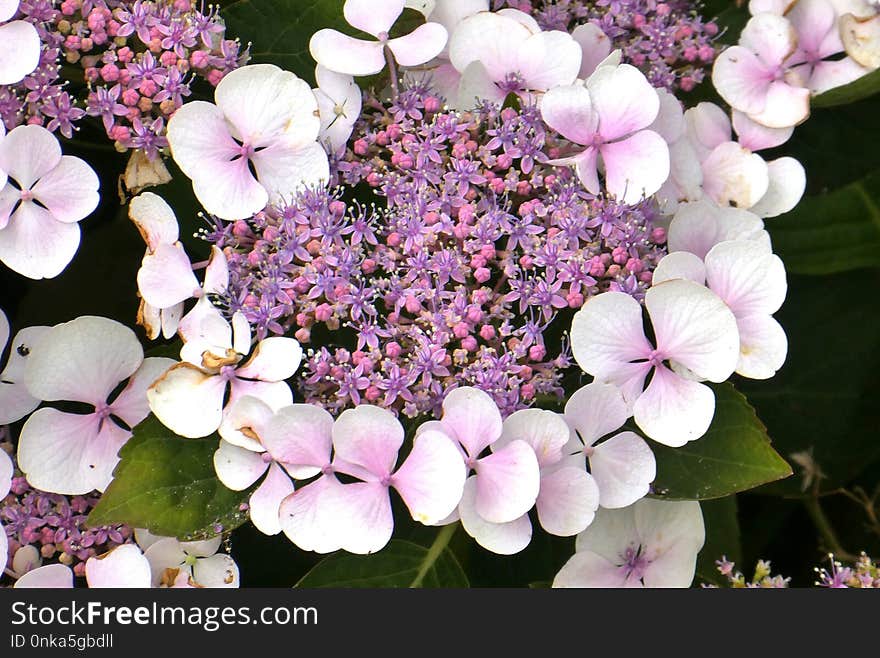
<point>867,85</point>
<point>832,232</point>
<point>280,30</point>
<point>722,538</point>
<point>734,455</point>
<point>823,402</point>
<point>399,564</point>
<point>167,484</point>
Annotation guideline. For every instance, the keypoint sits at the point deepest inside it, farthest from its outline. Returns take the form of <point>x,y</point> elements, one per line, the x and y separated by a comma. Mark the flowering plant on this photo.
<point>330,283</point>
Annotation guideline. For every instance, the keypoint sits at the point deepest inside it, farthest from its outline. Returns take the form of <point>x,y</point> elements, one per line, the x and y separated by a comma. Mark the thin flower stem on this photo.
<point>823,525</point>
<point>392,70</point>
<point>440,543</point>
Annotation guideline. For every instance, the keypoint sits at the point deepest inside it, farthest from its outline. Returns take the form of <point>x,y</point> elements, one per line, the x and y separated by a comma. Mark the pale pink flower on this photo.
<point>505,483</point>
<point>339,102</point>
<point>264,117</point>
<point>568,495</point>
<point>610,114</point>
<point>83,361</point>
<point>19,45</point>
<point>165,278</point>
<point>249,451</point>
<point>173,563</point>
<point>732,173</point>
<point>344,54</point>
<point>652,543</point>
<point>622,465</point>
<point>698,226</point>
<point>751,280</point>
<point>16,402</point>
<point>190,397</point>
<point>695,332</point>
<point>756,77</point>
<point>39,233</point>
<point>506,52</point>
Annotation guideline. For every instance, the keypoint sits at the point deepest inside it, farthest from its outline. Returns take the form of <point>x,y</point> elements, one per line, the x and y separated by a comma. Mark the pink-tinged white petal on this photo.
<point>300,438</point>
<point>20,53</point>
<point>568,501</point>
<point>694,327</point>
<point>755,137</point>
<point>241,333</point>
<point>624,99</point>
<point>507,483</point>
<point>228,190</point>
<point>82,360</point>
<point>636,167</point>
<point>166,277</point>
<point>8,9</point>
<point>274,394</point>
<point>861,39</point>
<point>569,111</point>
<point>305,521</point>
<point>284,169</point>
<point>203,547</point>
<point>549,59</point>
<point>164,554</point>
<point>217,272</point>
<point>670,123</point>
<point>431,479</point>
<point>771,37</point>
<point>206,331</point>
<point>501,538</point>
<point>188,400</point>
<point>26,558</point>
<point>590,570</point>
<point>763,347</point>
<point>674,410</point>
<point>778,7</point>
<point>708,126</point>
<point>344,54</point>
<point>4,330</point>
<point>216,571</point>
<point>238,468</point>
<point>16,401</point>
<point>28,153</point>
<point>419,46</point>
<point>476,85</point>
<point>154,219</point>
<point>586,166</point>
<point>734,176</point>
<point>788,181</point>
<point>51,576</point>
<point>742,79</point>
<point>471,417</point>
<point>680,265</point>
<point>373,16</point>
<point>170,320</point>
<point>494,39</point>
<point>546,432</point>
<point>449,13</point>
<point>829,74</point>
<point>263,103</point>
<point>595,47</point>
<point>339,103</point>
<point>699,226</point>
<point>6,471</point>
<point>362,512</point>
<point>596,410</point>
<point>273,360</point>
<point>607,332</point>
<point>245,422</point>
<point>131,404</point>
<point>124,566</point>
<point>265,502</point>
<point>369,437</point>
<point>69,191</point>
<point>670,527</point>
<point>623,467</point>
<point>35,244</point>
<point>611,532</point>
<point>747,277</point>
<point>787,104</point>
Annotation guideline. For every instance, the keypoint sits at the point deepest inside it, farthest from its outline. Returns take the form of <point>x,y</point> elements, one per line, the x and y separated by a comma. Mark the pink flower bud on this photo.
<point>323,313</point>
<point>487,332</point>
<point>482,274</point>
<point>469,344</point>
